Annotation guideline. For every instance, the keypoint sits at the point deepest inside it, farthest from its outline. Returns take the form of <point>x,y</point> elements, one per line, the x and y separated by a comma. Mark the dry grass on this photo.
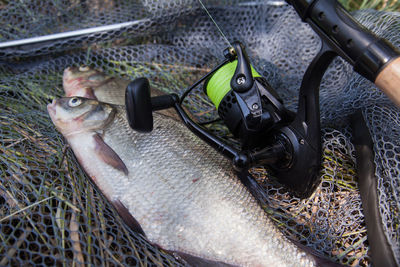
<point>386,5</point>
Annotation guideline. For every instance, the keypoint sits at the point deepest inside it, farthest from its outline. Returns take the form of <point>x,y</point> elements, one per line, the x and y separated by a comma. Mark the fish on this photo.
<point>173,188</point>
<point>87,82</point>
<point>91,83</point>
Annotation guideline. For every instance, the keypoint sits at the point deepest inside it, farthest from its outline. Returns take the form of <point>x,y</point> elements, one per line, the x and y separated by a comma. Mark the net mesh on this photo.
<point>51,214</point>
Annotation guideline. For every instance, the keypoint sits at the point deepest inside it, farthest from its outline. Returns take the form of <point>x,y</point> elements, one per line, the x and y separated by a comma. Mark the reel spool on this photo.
<point>245,101</point>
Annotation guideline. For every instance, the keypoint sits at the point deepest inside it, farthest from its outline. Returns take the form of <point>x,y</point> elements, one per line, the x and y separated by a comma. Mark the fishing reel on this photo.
<point>245,101</point>
<point>270,135</point>
<point>288,143</point>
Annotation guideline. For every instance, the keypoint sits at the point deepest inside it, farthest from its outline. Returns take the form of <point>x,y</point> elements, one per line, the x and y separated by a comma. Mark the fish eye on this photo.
<point>74,102</point>
<point>84,68</point>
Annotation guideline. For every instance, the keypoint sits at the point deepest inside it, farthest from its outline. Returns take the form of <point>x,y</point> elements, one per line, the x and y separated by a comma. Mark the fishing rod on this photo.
<point>288,143</point>
<point>371,56</point>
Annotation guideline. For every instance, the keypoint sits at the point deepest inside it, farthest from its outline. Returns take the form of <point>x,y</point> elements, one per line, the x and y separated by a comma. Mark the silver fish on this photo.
<point>90,83</point>
<point>182,194</point>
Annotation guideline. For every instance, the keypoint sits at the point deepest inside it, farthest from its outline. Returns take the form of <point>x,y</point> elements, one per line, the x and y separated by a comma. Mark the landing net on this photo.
<point>50,214</point>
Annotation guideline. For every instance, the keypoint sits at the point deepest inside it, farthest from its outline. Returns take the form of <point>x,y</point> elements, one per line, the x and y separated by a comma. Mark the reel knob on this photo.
<point>138,105</point>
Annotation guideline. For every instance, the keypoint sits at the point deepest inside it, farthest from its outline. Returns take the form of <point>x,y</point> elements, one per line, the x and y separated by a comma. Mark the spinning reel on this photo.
<point>270,134</point>
<point>288,143</point>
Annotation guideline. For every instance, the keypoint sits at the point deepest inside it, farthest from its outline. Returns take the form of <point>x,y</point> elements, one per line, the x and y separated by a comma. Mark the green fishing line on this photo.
<point>220,83</point>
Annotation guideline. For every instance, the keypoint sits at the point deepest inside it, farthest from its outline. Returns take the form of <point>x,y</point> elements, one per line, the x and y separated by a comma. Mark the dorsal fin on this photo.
<point>108,155</point>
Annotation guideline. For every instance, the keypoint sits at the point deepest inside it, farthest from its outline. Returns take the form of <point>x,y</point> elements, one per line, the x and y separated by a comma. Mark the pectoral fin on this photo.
<point>108,155</point>
<point>127,217</point>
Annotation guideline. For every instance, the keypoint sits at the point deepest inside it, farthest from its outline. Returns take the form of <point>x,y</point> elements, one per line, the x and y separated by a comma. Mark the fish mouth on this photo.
<point>51,108</point>
<point>67,72</point>
<point>70,70</point>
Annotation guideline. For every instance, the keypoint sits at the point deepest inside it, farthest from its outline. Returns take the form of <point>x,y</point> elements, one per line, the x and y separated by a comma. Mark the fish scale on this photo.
<point>183,193</point>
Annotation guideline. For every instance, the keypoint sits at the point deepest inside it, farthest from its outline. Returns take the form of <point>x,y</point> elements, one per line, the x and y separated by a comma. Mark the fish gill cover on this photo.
<point>51,214</point>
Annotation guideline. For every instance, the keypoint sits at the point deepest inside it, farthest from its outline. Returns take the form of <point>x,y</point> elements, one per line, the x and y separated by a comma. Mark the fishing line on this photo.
<point>219,29</point>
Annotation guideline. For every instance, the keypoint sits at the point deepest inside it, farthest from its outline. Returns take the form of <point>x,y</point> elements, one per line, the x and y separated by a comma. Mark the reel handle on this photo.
<point>163,101</point>
<point>140,106</point>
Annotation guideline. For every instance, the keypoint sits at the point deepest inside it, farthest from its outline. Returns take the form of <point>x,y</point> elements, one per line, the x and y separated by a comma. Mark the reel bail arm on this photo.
<point>242,80</point>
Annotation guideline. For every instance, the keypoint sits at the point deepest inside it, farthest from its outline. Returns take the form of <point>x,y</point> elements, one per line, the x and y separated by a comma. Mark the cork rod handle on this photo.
<point>388,80</point>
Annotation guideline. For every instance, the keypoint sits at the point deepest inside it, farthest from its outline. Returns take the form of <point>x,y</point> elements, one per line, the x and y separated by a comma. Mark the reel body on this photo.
<point>269,134</point>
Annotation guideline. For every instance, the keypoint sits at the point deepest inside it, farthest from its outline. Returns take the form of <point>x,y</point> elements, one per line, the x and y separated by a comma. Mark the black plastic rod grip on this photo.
<point>368,53</point>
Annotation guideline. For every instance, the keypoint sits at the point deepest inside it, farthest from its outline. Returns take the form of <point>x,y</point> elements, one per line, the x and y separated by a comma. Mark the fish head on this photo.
<point>80,81</point>
<point>73,115</point>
